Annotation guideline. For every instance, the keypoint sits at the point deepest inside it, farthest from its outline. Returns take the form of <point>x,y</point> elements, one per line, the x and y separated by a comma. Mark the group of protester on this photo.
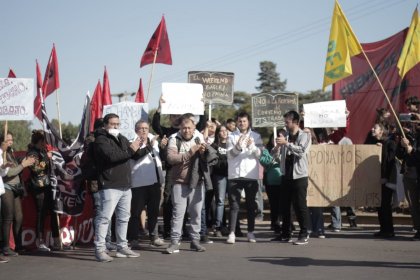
<point>193,164</point>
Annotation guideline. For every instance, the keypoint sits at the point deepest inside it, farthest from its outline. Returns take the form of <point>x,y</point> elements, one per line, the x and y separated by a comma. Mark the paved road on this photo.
<point>345,255</point>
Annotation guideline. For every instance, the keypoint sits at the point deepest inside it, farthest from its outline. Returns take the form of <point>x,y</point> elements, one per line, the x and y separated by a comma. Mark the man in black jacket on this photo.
<point>112,153</point>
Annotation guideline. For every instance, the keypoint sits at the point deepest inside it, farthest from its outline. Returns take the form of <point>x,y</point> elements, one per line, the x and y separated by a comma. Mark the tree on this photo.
<point>269,78</point>
<point>314,96</point>
<point>68,130</point>
<point>21,131</point>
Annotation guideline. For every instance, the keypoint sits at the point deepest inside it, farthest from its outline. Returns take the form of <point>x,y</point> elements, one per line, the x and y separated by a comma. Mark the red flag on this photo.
<point>140,95</point>
<point>37,101</point>
<point>11,74</point>
<point>96,105</point>
<point>159,43</point>
<point>106,92</point>
<point>51,78</point>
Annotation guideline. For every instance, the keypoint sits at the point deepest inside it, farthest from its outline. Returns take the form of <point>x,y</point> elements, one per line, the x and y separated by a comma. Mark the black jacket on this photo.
<point>112,159</point>
<point>221,168</point>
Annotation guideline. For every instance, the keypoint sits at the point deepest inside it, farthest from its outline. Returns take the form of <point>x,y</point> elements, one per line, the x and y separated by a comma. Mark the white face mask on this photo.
<point>114,132</point>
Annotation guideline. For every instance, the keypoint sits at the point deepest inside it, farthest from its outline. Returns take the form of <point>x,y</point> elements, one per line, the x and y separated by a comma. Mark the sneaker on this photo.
<point>302,240</point>
<point>334,229</point>
<point>251,237</point>
<point>218,233</point>
<point>321,235</point>
<point>158,242</point>
<point>9,252</point>
<point>135,245</point>
<point>277,239</point>
<point>353,223</point>
<point>205,239</point>
<point>231,238</point>
<point>195,245</point>
<point>126,253</point>
<point>381,234</point>
<point>4,259</point>
<point>416,237</point>
<point>111,247</point>
<point>239,233</point>
<point>286,238</point>
<point>43,248</point>
<point>173,248</point>
<point>103,257</point>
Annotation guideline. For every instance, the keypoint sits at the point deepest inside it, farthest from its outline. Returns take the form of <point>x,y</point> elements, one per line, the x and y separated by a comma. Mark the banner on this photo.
<point>217,86</point>
<point>344,175</point>
<point>325,114</point>
<point>362,92</point>
<point>268,108</point>
<point>67,186</point>
<point>16,99</point>
<point>181,98</point>
<point>129,113</point>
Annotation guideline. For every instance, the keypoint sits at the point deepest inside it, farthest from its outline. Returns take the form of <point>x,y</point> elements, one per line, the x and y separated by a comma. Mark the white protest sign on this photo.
<point>325,114</point>
<point>181,98</point>
<point>129,113</point>
<point>16,99</point>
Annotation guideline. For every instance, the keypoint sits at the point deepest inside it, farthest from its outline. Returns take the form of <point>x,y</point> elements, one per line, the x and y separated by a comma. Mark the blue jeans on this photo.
<point>221,186</point>
<point>118,200</point>
<point>317,219</point>
<point>336,217</point>
<point>97,205</point>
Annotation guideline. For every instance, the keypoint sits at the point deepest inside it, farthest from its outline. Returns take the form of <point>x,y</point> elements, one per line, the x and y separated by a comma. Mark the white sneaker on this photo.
<point>43,248</point>
<point>231,238</point>
<point>251,237</point>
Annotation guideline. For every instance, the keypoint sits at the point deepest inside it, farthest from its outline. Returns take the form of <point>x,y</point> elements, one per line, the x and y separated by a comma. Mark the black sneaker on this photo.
<point>416,237</point>
<point>302,240</point>
<point>277,239</point>
<point>205,240</point>
<point>9,252</point>
<point>195,245</point>
<point>286,238</point>
<point>218,233</point>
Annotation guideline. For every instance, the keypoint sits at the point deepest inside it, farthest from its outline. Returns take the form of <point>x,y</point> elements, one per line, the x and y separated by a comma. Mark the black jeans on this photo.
<point>167,205</point>
<point>385,211</point>
<point>235,188</point>
<point>274,195</point>
<point>44,205</point>
<point>11,212</point>
<point>294,192</point>
<point>144,197</point>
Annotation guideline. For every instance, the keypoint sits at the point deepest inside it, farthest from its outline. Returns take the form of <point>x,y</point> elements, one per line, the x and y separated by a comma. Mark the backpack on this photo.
<point>87,161</point>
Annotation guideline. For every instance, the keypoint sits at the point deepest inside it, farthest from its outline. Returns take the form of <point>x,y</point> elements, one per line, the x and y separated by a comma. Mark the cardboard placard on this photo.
<point>268,108</point>
<point>16,99</point>
<point>217,86</point>
<point>129,113</point>
<point>344,175</point>
<point>325,114</point>
<point>181,98</point>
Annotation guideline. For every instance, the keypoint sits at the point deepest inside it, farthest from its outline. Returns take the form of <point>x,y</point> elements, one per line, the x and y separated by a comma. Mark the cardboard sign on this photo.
<point>325,114</point>
<point>129,113</point>
<point>268,108</point>
<point>217,86</point>
<point>344,175</point>
<point>16,99</point>
<point>181,98</point>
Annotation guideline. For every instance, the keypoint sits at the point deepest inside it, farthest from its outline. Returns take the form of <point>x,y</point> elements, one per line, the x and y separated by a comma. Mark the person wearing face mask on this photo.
<point>113,152</point>
<point>388,176</point>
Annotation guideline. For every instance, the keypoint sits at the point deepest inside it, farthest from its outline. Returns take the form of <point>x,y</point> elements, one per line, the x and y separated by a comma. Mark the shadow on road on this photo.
<point>300,261</point>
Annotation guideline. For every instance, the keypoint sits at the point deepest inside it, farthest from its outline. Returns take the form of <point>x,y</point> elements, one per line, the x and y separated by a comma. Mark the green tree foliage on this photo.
<point>314,96</point>
<point>21,131</point>
<point>68,130</point>
<point>269,78</point>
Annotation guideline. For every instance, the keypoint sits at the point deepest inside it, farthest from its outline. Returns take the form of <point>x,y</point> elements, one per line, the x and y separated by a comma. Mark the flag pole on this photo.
<point>58,113</point>
<point>5,135</point>
<point>209,111</point>
<point>384,92</point>
<point>151,75</point>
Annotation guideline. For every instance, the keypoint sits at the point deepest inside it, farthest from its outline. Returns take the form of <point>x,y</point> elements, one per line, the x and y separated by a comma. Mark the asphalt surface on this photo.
<point>348,254</point>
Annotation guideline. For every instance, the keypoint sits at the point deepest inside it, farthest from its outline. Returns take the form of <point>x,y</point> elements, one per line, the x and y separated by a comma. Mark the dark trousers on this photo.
<point>144,197</point>
<point>167,205</point>
<point>385,211</point>
<point>235,188</point>
<point>274,194</point>
<point>293,192</point>
<point>206,212</point>
<point>44,205</point>
<point>11,212</point>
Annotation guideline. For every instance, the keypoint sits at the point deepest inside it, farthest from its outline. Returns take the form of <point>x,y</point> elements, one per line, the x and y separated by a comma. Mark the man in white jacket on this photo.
<point>146,178</point>
<point>243,151</point>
